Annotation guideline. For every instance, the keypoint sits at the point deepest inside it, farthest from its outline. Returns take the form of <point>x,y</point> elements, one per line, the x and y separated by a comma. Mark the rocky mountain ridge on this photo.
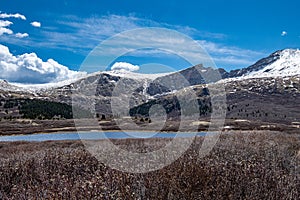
<point>96,91</point>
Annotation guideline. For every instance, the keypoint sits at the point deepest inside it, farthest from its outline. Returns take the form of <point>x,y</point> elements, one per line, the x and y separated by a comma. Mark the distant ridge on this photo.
<point>279,64</point>
<point>282,63</point>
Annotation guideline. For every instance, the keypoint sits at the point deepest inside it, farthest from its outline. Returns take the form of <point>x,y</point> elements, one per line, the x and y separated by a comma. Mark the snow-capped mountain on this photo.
<point>252,93</point>
<point>282,63</point>
<point>5,86</point>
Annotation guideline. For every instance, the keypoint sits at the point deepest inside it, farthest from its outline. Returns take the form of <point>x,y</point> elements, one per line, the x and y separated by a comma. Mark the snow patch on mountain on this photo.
<point>133,75</point>
<point>13,86</point>
<point>44,86</point>
<point>287,64</point>
<point>5,86</point>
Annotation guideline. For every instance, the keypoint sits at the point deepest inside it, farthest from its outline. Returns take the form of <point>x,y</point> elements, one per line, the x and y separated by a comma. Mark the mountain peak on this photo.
<point>281,63</point>
<point>289,53</point>
<point>6,86</point>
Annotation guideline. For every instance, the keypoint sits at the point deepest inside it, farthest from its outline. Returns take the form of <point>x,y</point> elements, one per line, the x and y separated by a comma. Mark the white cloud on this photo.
<point>92,31</point>
<point>284,33</point>
<point>21,35</point>
<point>29,68</point>
<point>96,29</point>
<point>36,24</point>
<point>5,30</point>
<point>17,15</point>
<point>5,23</point>
<point>3,27</point>
<point>124,66</point>
<point>224,54</point>
<point>215,48</point>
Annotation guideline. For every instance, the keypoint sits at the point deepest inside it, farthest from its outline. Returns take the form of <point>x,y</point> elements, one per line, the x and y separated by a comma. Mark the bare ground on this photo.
<point>25,126</point>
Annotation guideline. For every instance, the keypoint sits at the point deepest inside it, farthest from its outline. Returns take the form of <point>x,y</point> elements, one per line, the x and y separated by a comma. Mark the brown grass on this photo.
<point>245,165</point>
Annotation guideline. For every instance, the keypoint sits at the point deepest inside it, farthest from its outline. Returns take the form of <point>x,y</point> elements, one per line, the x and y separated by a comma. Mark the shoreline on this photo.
<point>103,131</point>
<point>197,135</point>
<point>118,135</point>
<point>16,128</point>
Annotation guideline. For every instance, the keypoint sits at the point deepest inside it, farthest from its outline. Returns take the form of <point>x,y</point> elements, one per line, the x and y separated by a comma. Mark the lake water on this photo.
<point>96,136</point>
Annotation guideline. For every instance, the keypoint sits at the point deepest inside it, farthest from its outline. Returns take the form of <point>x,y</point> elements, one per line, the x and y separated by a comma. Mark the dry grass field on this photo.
<point>243,165</point>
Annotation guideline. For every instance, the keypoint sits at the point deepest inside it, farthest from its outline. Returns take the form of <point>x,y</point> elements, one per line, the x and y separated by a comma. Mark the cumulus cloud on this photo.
<point>29,68</point>
<point>36,24</point>
<point>21,35</point>
<point>5,23</point>
<point>3,27</point>
<point>17,15</point>
<point>124,66</point>
<point>284,33</point>
<point>5,30</point>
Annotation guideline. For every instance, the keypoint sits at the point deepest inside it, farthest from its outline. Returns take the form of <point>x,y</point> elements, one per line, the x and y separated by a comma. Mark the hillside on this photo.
<point>281,63</point>
<point>263,93</point>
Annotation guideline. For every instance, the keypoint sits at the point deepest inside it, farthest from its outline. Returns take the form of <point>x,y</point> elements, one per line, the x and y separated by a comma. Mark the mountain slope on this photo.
<point>266,92</point>
<point>195,75</point>
<point>257,103</point>
<point>5,86</point>
<point>279,64</point>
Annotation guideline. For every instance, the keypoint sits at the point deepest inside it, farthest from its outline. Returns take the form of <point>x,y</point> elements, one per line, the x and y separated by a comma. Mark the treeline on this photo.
<point>44,109</point>
<point>172,107</point>
<point>38,109</point>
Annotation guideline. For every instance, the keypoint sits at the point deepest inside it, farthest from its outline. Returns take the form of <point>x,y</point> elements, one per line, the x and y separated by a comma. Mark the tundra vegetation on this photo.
<point>242,165</point>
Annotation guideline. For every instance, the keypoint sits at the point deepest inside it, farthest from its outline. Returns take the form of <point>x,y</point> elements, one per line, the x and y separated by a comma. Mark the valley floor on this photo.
<point>243,165</point>
<point>25,126</point>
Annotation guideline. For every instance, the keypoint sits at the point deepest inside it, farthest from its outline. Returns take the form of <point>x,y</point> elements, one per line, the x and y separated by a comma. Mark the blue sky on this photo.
<point>235,33</point>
